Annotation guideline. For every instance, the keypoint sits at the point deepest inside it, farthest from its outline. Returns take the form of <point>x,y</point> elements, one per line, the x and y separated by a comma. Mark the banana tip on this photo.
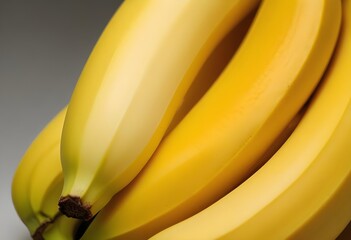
<point>73,207</point>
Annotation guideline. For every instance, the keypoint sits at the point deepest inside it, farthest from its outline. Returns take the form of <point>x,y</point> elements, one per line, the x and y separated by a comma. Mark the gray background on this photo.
<point>43,47</point>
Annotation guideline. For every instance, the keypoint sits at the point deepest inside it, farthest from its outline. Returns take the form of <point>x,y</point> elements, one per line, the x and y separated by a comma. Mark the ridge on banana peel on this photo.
<point>222,140</point>
<point>37,185</point>
<point>130,89</point>
<point>304,190</point>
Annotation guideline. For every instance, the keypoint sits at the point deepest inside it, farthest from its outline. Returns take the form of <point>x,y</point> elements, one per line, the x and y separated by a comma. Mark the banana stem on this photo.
<point>38,234</point>
<point>73,206</point>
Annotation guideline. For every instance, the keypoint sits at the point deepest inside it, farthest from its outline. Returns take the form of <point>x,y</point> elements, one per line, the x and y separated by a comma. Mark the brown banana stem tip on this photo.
<point>73,207</point>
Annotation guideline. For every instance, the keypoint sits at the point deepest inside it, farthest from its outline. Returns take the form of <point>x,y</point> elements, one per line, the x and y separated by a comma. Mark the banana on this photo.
<point>130,89</point>
<point>27,197</point>
<point>304,190</point>
<point>221,141</point>
<point>38,181</point>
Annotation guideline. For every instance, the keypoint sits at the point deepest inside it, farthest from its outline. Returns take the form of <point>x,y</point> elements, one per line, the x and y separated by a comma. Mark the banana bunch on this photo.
<point>304,190</point>
<point>37,185</point>
<point>196,120</point>
<point>224,137</point>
